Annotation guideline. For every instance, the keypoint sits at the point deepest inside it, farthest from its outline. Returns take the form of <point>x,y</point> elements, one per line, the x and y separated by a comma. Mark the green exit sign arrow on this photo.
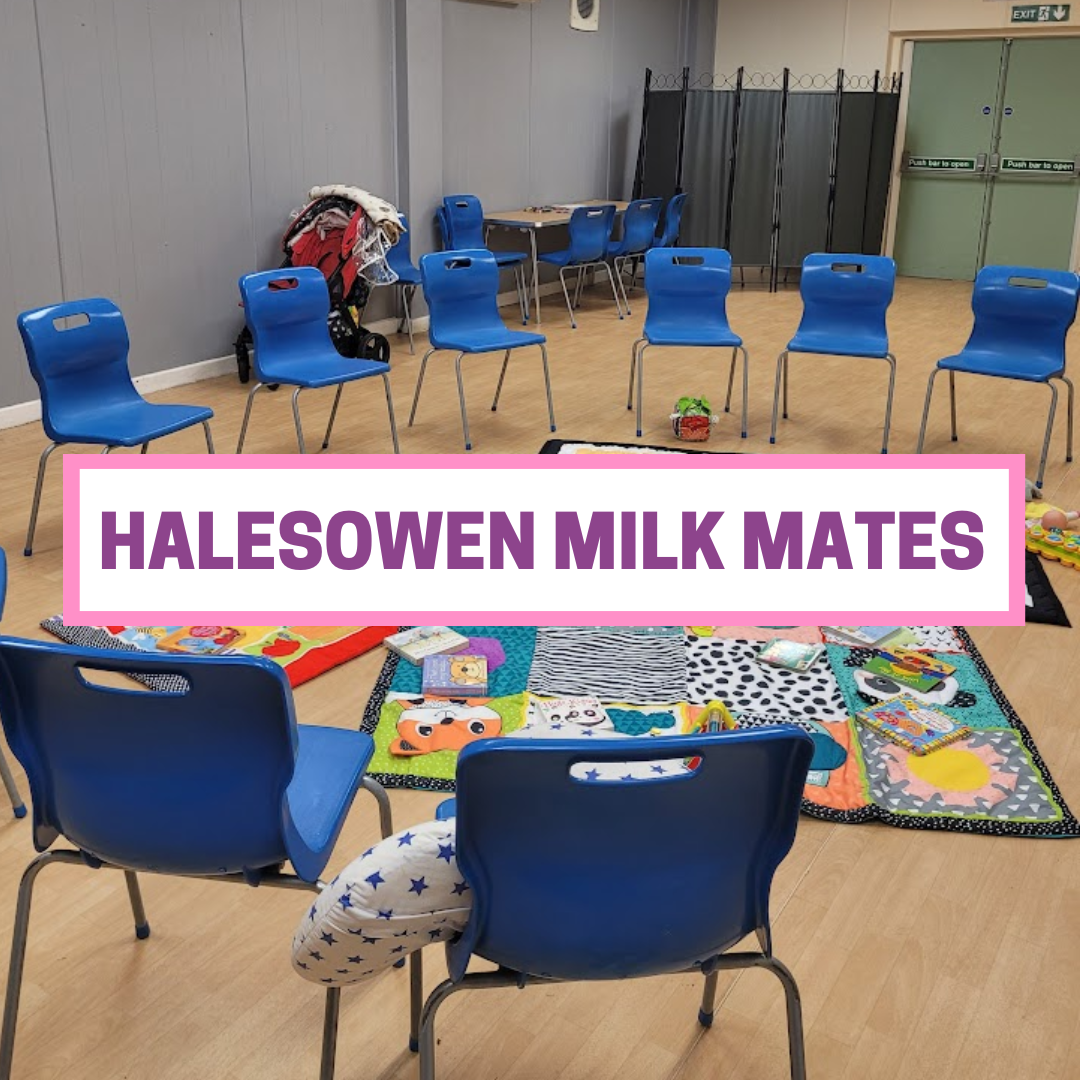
<point>1041,13</point>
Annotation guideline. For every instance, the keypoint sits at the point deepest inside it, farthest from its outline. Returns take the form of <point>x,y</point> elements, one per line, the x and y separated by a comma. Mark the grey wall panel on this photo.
<point>710,117</point>
<point>29,267</point>
<point>804,215</point>
<point>146,123</point>
<point>755,179</point>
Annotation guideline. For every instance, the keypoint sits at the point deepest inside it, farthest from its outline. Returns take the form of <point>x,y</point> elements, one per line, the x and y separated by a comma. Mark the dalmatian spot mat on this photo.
<point>659,679</point>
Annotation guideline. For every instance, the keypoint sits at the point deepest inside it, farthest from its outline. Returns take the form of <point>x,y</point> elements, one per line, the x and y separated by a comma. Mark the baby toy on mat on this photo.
<point>1054,534</point>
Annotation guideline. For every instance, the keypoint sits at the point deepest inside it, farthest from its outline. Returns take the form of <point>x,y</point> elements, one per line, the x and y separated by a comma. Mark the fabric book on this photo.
<point>585,712</point>
<point>460,676</point>
<point>791,655</point>
<point>420,641</point>
<point>915,670</point>
<point>909,723</point>
<point>864,635</point>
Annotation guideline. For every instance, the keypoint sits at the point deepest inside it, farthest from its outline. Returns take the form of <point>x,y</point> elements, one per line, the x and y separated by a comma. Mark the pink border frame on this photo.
<point>1014,464</point>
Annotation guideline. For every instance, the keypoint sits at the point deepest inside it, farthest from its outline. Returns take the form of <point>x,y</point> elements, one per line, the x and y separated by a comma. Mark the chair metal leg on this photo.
<point>745,391</point>
<point>640,384</point>
<point>614,290</point>
<point>386,820</point>
<point>566,297</point>
<point>888,402</point>
<point>952,403</point>
<point>416,997</point>
<point>1069,438</point>
<point>18,953</point>
<point>1049,432</point>
<point>330,1030</point>
<point>296,419</point>
<point>419,384</point>
<point>390,412</point>
<point>926,409</point>
<point>780,377</point>
<point>145,446</point>
<point>622,285</point>
<point>247,416</point>
<point>42,462</point>
<point>17,805</point>
<point>731,380</point>
<point>142,927</point>
<point>461,401</point>
<point>333,417</point>
<point>787,371</point>
<point>579,286</point>
<point>502,375</point>
<point>708,1000</point>
<point>406,293</point>
<point>523,292</point>
<point>796,1044</point>
<point>209,437</point>
<point>547,385</point>
<point>633,371</point>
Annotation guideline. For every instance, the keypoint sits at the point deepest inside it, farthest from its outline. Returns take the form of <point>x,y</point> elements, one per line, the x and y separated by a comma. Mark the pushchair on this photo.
<point>333,234</point>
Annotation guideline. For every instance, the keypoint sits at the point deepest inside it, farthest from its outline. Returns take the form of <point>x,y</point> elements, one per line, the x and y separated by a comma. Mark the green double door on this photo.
<point>991,168</point>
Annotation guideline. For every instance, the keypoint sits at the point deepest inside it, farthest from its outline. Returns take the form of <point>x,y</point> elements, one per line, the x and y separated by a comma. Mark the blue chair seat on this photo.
<point>1004,365</point>
<point>508,258</point>
<point>555,258</point>
<point>407,275</point>
<point>330,763</point>
<point>128,423</point>
<point>324,369</point>
<point>679,334</point>
<point>839,344</point>
<point>485,339</point>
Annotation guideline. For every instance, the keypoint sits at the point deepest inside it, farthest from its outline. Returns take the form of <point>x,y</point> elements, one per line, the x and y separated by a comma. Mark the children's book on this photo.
<point>585,712</point>
<point>909,723</point>
<point>915,670</point>
<point>864,635</point>
<point>455,676</point>
<point>420,641</point>
<point>791,655</point>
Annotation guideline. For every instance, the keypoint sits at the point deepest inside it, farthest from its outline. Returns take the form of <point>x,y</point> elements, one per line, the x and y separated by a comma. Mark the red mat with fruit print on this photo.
<point>303,651</point>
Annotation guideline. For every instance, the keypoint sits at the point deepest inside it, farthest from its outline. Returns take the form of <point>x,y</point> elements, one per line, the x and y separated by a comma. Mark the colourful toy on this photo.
<point>1061,545</point>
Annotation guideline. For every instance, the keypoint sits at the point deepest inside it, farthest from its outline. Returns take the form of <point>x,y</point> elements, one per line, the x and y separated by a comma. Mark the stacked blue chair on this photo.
<point>287,310</point>
<point>590,239</point>
<point>87,396</point>
<point>399,258</point>
<point>674,890</point>
<point>215,781</point>
<point>1022,318</point>
<point>687,290</point>
<point>5,770</point>
<point>639,235</point>
<point>845,302</point>
<point>461,289</point>
<point>462,225</point>
<point>669,234</point>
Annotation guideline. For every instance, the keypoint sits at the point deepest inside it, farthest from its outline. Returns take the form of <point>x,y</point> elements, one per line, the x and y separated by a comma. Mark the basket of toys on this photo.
<point>692,420</point>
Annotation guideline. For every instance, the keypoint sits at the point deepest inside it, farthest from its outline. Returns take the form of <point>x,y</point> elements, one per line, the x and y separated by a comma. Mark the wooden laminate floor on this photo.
<point>918,954</point>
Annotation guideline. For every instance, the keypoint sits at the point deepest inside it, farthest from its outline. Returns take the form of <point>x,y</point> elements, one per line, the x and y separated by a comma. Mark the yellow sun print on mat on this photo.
<point>962,775</point>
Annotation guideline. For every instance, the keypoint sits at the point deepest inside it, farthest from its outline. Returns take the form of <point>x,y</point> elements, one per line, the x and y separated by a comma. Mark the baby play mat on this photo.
<point>565,446</point>
<point>660,679</point>
<point>303,651</point>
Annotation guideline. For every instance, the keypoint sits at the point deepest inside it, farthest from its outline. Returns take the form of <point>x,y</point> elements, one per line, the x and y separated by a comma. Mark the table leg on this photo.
<point>536,273</point>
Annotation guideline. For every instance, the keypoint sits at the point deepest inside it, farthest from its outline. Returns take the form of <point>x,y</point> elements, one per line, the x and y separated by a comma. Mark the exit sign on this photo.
<point>1041,13</point>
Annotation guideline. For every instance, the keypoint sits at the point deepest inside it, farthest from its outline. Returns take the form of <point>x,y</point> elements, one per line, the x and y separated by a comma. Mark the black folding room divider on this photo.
<point>777,166</point>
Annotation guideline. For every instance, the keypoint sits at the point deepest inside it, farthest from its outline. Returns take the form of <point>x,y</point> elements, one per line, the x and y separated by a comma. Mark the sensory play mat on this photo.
<point>303,651</point>
<point>564,446</point>
<point>662,679</point>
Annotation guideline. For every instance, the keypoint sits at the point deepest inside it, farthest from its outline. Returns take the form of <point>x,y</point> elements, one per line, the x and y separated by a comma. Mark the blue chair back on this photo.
<point>639,225</point>
<point>465,221</point>
<point>689,286</point>
<point>286,311</point>
<point>78,368</point>
<point>461,289</point>
<point>1024,312</point>
<point>590,233</point>
<point>672,221</point>
<point>399,257</point>
<point>443,221</point>
<point>580,879</point>
<point>847,296</point>
<point>187,783</point>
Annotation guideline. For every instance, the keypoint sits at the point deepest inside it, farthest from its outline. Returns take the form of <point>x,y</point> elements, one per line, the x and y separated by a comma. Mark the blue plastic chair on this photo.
<point>462,224</point>
<point>87,396</point>
<point>216,782</point>
<point>17,806</point>
<point>845,301</point>
<point>669,235</point>
<point>688,290</point>
<point>639,234</point>
<point>1022,317</point>
<point>590,238</point>
<point>287,311</point>
<point>399,258</point>
<point>461,289</point>
<point>686,868</point>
